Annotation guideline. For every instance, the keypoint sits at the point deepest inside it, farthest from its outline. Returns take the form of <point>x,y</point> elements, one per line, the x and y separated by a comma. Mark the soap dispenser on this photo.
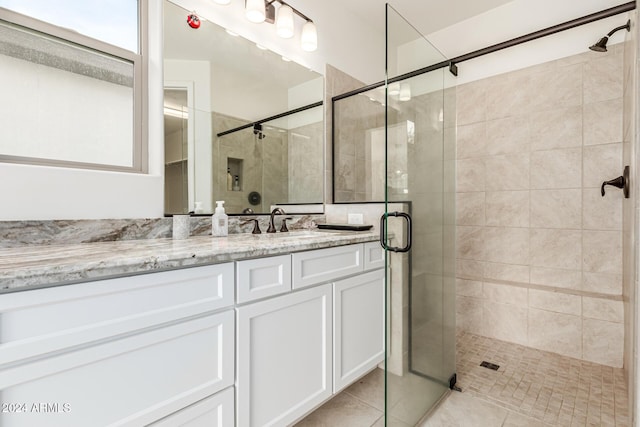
<point>219,221</point>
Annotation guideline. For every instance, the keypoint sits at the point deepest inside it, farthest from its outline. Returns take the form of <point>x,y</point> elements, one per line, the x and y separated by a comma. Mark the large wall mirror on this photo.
<point>242,124</point>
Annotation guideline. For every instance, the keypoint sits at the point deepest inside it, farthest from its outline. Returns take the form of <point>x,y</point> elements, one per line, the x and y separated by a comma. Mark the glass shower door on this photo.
<point>419,225</point>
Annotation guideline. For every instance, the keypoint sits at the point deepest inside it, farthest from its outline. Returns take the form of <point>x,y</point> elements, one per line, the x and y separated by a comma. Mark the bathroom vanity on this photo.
<point>250,331</point>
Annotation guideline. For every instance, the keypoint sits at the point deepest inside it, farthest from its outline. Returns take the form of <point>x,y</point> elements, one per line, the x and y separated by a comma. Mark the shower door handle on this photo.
<point>383,231</point>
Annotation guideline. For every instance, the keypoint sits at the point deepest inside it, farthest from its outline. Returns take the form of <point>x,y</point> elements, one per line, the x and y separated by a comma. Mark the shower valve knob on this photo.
<point>619,182</point>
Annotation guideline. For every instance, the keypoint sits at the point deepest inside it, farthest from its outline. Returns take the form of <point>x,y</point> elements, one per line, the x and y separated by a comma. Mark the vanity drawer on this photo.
<point>42,321</point>
<point>324,265</point>
<point>373,256</point>
<point>215,411</point>
<point>263,277</point>
<point>131,381</point>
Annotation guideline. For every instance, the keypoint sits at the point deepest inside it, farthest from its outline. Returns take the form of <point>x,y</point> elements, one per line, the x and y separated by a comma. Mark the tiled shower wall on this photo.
<point>539,251</point>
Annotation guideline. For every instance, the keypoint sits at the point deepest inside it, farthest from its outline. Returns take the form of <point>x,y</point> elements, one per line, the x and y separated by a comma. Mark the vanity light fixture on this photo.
<point>258,11</point>
<point>284,22</point>
<point>309,38</point>
<point>255,11</point>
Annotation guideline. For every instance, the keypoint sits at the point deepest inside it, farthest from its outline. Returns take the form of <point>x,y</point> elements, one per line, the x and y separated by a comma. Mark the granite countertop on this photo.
<point>32,266</point>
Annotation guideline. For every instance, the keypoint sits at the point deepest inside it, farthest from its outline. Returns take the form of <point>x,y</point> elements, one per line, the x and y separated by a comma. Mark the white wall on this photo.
<point>518,18</point>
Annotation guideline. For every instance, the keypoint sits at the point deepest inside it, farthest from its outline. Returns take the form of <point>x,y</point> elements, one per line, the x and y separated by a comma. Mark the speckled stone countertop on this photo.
<point>35,266</point>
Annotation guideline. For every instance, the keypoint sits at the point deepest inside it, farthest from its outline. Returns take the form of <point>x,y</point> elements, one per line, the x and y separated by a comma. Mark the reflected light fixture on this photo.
<point>255,11</point>
<point>394,89</point>
<point>284,22</point>
<point>405,92</point>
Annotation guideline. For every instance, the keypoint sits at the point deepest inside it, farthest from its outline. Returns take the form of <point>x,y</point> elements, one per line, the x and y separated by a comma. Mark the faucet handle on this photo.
<point>256,227</point>
<point>283,228</point>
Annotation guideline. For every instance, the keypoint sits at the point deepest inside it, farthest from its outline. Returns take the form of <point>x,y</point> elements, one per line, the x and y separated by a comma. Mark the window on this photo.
<point>72,84</point>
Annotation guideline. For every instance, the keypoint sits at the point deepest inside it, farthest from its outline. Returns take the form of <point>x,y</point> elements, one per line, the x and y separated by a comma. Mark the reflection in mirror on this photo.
<point>262,165</point>
<point>229,82</point>
<point>175,148</point>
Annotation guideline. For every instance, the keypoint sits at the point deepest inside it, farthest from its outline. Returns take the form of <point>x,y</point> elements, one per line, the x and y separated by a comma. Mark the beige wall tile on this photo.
<point>603,309</point>
<point>602,213</point>
<point>555,301</point>
<point>507,208</point>
<point>557,128</point>
<point>470,102</point>
<point>602,163</point>
<point>470,242</point>
<point>569,279</point>
<point>556,248</point>
<point>507,172</point>
<point>469,269</point>
<point>469,314</point>
<point>471,140</point>
<point>602,251</point>
<point>602,283</point>
<point>556,168</point>
<point>507,95</point>
<point>556,208</point>
<point>603,78</point>
<point>603,122</point>
<point>505,294</point>
<point>505,322</point>
<point>507,136</point>
<point>553,89</point>
<point>470,175</point>
<point>469,288</point>
<point>603,342</point>
<point>506,245</point>
<point>506,272</point>
<point>556,332</point>
<point>470,208</point>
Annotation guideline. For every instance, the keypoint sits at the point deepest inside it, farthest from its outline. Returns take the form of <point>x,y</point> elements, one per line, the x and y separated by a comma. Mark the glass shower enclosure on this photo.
<point>419,223</point>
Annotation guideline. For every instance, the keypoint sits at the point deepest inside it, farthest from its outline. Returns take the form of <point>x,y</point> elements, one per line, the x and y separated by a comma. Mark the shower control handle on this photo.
<point>620,182</point>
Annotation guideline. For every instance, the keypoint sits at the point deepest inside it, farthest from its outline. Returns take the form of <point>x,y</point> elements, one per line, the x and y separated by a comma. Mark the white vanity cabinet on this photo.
<point>127,351</point>
<point>295,350</point>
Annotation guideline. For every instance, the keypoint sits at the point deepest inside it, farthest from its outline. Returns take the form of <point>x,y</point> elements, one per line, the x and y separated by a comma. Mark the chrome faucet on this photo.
<point>272,227</point>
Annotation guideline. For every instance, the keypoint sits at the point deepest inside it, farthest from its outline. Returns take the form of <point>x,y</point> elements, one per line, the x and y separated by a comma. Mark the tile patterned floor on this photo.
<point>531,388</point>
<point>557,390</point>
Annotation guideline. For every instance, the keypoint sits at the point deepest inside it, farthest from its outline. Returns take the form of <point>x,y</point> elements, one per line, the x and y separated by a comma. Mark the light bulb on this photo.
<point>254,11</point>
<point>405,92</point>
<point>284,22</point>
<point>309,38</point>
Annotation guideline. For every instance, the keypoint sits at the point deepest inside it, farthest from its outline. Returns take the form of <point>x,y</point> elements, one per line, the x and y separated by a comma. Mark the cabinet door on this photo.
<point>358,319</point>
<point>215,411</point>
<point>283,357</point>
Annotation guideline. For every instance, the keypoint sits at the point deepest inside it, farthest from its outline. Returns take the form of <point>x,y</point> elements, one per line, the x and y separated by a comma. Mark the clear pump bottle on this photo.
<point>219,221</point>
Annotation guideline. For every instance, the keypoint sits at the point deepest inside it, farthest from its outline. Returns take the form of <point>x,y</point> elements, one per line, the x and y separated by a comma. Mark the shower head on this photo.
<point>601,46</point>
<point>257,130</point>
